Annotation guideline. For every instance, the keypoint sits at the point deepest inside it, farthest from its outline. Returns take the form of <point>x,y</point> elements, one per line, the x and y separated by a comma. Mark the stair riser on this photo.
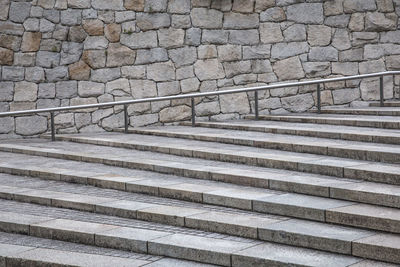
<point>324,191</point>
<point>362,112</point>
<point>309,167</point>
<point>312,149</point>
<point>371,124</point>
<point>309,133</point>
<point>289,238</point>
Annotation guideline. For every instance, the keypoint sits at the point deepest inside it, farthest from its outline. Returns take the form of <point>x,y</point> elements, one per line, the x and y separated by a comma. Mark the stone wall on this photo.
<point>69,52</point>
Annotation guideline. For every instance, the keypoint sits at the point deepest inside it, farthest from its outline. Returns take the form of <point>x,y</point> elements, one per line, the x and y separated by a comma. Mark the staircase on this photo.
<point>299,190</point>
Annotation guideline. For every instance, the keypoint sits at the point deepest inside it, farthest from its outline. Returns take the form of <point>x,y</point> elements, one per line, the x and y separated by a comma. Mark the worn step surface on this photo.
<point>385,122</point>
<point>353,190</point>
<point>363,134</point>
<point>208,192</point>
<point>320,146</point>
<point>297,232</point>
<point>304,162</point>
<point>374,111</point>
<point>225,251</point>
<point>393,103</point>
<point>23,250</point>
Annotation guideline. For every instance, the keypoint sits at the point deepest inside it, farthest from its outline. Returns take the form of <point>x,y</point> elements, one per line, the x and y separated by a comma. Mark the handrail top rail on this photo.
<point>213,93</point>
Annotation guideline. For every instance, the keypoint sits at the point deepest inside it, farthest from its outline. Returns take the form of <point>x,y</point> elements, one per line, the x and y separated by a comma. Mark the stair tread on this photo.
<point>216,134</point>
<point>96,196</point>
<point>339,187</point>
<point>175,244</point>
<point>306,162</point>
<point>24,254</point>
<point>237,149</point>
<point>343,117</point>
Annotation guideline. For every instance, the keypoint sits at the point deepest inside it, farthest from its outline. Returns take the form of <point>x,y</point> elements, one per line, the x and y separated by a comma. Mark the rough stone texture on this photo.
<point>288,69</point>
<point>89,89</point>
<point>171,37</point>
<point>151,21</point>
<point>306,13</point>
<point>136,5</point>
<point>79,71</point>
<point>161,72</point>
<point>94,58</point>
<point>208,69</point>
<point>298,103</point>
<point>19,11</point>
<point>30,125</point>
<point>119,55</point>
<point>206,18</point>
<point>31,41</point>
<point>6,91</point>
<point>380,22</point>
<point>112,32</point>
<point>319,35</point>
<point>93,27</point>
<point>140,40</point>
<point>270,33</point>
<point>351,6</point>
<point>237,103</point>
<point>25,91</point>
<point>6,56</point>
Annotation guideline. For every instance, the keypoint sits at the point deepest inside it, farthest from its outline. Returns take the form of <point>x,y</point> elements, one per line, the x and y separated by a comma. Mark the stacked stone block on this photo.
<point>67,52</point>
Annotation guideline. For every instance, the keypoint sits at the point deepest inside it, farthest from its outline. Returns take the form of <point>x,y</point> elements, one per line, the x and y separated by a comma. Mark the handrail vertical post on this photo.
<point>256,104</point>
<point>126,118</point>
<point>193,112</point>
<point>319,98</point>
<point>53,131</point>
<point>381,90</point>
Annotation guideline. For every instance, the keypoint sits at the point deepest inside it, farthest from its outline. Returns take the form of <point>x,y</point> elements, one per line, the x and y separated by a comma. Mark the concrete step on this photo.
<point>215,193</point>
<point>150,181</point>
<point>361,134</point>
<point>320,146</point>
<point>384,122</point>
<point>281,230</point>
<point>373,111</point>
<point>386,103</point>
<point>303,162</point>
<point>224,251</point>
<point>22,250</point>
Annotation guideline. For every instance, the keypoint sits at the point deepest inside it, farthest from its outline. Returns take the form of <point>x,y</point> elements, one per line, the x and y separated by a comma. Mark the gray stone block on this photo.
<point>308,13</point>
<point>140,40</point>
<point>183,56</point>
<point>152,21</point>
<point>30,125</point>
<point>6,91</point>
<point>66,89</point>
<point>206,18</point>
<point>105,74</point>
<point>12,73</point>
<point>19,11</point>
<point>56,74</point>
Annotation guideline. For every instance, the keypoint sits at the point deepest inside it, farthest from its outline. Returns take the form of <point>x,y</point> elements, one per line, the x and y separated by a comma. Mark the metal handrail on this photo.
<point>255,89</point>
